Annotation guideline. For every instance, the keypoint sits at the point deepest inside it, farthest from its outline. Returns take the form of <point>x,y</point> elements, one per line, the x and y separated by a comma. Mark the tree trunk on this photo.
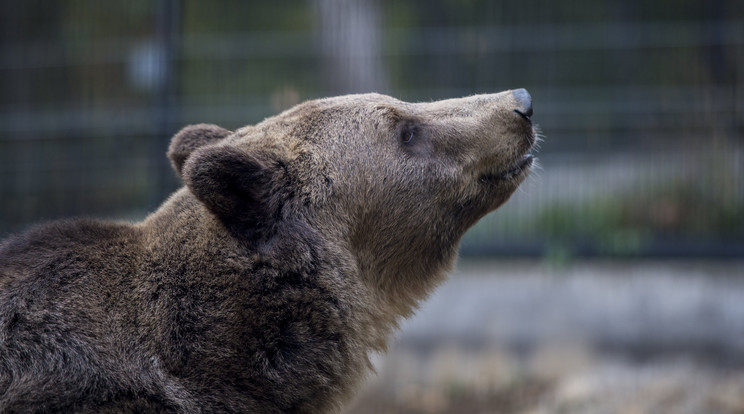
<point>350,44</point>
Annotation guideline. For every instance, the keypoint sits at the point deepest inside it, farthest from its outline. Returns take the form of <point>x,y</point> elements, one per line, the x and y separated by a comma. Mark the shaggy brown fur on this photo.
<point>263,285</point>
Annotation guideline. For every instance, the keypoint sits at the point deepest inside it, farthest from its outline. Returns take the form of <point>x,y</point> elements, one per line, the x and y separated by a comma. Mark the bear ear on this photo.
<point>232,183</point>
<point>190,138</point>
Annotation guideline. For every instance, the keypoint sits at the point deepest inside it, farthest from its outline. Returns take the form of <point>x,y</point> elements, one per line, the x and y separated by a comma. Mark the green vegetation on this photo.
<point>702,208</point>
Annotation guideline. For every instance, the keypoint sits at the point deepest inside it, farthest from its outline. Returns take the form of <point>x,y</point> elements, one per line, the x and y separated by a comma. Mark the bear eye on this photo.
<point>407,135</point>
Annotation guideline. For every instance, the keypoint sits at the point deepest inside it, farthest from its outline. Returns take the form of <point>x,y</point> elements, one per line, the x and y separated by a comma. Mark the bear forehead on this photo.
<point>377,104</point>
<point>320,119</point>
<point>370,99</point>
<point>351,106</point>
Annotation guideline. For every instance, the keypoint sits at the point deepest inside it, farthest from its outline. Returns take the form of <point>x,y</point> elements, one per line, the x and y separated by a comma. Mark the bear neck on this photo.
<point>376,302</point>
<point>401,274</point>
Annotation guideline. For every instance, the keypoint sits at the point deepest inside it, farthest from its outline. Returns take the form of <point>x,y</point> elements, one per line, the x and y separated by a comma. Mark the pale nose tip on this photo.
<point>524,102</point>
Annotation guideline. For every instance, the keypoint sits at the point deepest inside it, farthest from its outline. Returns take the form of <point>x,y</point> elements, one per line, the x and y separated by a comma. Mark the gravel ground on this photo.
<point>593,337</point>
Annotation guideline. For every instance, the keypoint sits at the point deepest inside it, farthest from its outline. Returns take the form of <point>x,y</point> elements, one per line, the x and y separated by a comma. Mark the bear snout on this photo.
<point>524,104</point>
<point>523,109</point>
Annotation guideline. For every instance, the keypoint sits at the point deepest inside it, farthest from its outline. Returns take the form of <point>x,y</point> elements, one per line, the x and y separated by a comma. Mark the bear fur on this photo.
<point>263,285</point>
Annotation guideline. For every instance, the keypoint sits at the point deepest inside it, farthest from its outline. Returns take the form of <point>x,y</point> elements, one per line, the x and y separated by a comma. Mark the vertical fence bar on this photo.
<point>167,32</point>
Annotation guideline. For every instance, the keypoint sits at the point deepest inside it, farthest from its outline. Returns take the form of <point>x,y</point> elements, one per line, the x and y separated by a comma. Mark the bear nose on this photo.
<point>524,103</point>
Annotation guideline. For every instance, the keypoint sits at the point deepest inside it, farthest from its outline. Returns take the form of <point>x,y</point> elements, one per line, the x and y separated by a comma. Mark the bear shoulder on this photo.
<point>37,249</point>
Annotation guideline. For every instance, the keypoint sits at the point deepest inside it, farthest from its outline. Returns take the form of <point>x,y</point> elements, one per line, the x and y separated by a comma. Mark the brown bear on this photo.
<point>263,285</point>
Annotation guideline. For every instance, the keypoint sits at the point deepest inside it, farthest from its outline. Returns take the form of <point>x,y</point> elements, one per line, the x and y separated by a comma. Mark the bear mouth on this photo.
<point>519,167</point>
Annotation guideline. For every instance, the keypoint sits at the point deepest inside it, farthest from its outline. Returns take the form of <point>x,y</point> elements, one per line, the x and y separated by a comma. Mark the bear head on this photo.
<point>392,183</point>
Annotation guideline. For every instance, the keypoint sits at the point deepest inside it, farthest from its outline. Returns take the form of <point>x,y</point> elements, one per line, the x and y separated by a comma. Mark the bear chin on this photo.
<point>518,171</point>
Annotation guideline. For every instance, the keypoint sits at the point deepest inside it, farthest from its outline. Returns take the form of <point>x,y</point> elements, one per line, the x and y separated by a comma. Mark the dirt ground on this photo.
<point>575,381</point>
<point>683,357</point>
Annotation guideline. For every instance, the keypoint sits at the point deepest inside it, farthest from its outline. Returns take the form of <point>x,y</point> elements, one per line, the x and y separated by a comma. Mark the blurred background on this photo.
<point>613,281</point>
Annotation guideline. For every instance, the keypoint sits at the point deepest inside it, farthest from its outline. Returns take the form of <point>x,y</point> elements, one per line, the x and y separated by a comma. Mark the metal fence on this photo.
<point>641,104</point>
